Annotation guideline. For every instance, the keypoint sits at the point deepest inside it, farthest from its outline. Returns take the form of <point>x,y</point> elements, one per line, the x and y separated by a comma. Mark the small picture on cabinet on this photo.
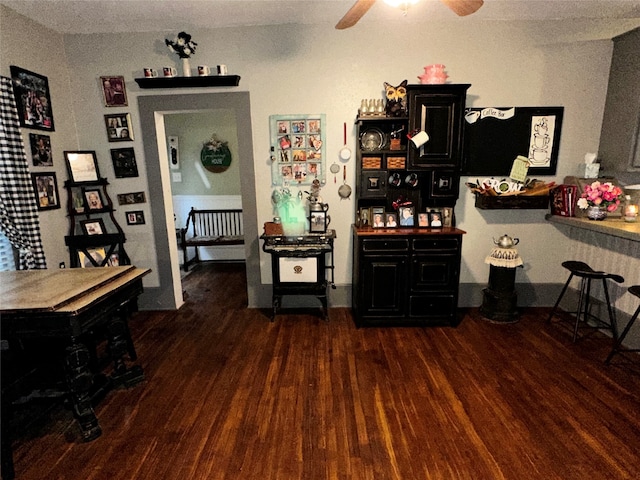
<point>435,219</point>
<point>318,222</point>
<point>119,127</point>
<point>423,219</point>
<point>124,162</point>
<point>93,227</point>
<point>391,220</point>
<point>406,216</point>
<point>93,199</point>
<point>82,166</point>
<point>135,218</point>
<point>45,187</point>
<point>377,217</point>
<point>94,259</point>
<point>447,217</point>
<point>364,217</point>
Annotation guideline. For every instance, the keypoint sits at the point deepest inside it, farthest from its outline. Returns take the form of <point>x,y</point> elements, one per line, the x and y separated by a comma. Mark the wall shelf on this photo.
<point>529,202</point>
<point>186,82</point>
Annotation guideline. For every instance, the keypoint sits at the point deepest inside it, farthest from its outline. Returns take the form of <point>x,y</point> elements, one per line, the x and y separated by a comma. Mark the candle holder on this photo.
<point>631,213</point>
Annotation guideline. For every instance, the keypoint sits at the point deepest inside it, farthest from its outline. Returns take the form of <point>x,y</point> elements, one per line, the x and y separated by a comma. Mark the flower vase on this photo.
<point>596,213</point>
<point>186,67</point>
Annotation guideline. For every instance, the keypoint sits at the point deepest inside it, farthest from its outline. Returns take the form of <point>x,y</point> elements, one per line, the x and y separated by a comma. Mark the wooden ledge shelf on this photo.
<point>508,202</point>
<point>186,82</point>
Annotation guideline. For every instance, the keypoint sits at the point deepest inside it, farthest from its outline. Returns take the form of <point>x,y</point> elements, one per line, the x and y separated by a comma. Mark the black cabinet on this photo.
<point>95,238</point>
<point>406,277</point>
<point>438,110</point>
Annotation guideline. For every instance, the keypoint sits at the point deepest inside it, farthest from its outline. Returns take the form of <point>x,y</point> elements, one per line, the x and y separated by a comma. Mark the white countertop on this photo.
<point>615,226</point>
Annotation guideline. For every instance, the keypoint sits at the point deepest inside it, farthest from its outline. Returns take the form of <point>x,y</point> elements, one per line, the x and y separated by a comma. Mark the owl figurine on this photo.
<point>396,99</point>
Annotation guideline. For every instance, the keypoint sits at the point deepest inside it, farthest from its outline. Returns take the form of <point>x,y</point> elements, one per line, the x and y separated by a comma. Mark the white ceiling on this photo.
<point>116,16</point>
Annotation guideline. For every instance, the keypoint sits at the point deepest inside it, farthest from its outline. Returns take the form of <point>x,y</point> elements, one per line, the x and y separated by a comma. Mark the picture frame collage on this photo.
<point>405,217</point>
<point>298,152</point>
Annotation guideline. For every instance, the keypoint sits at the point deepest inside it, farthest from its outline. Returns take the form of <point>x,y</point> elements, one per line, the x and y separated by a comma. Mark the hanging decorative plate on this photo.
<point>215,156</point>
<point>372,139</point>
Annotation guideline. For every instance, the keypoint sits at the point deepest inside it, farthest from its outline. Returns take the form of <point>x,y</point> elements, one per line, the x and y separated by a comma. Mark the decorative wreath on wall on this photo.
<point>215,155</point>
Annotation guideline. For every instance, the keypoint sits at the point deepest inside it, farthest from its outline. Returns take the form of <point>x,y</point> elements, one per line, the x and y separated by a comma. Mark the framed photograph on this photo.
<point>135,218</point>
<point>377,217</point>
<point>447,217</point>
<point>318,222</point>
<point>406,216</point>
<point>82,166</point>
<point>33,100</point>
<point>364,217</point>
<point>113,91</point>
<point>114,260</point>
<point>95,257</point>
<point>119,127</point>
<point>93,199</point>
<point>93,226</point>
<point>41,155</point>
<point>131,198</point>
<point>124,162</point>
<point>391,220</point>
<point>423,219</point>
<point>45,186</point>
<point>435,219</point>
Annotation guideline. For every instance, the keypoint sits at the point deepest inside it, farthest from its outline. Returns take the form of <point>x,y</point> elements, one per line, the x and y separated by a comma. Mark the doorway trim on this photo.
<point>152,108</point>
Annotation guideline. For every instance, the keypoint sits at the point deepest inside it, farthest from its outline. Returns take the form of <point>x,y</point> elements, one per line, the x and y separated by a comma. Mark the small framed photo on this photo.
<point>364,217</point>
<point>113,91</point>
<point>45,186</point>
<point>391,220</point>
<point>93,199</point>
<point>33,99</point>
<point>119,127</point>
<point>77,200</point>
<point>423,219</point>
<point>447,217</point>
<point>131,198</point>
<point>93,226</point>
<point>406,216</point>
<point>318,222</point>
<point>114,260</point>
<point>41,155</point>
<point>377,217</point>
<point>124,162</point>
<point>82,166</point>
<point>435,219</point>
<point>95,257</point>
<point>135,218</point>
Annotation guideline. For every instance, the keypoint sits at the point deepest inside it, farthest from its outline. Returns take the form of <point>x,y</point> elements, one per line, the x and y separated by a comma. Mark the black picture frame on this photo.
<point>114,92</point>
<point>435,219</point>
<point>447,217</point>
<point>407,217</point>
<point>423,220</point>
<point>390,220</point>
<point>124,162</point>
<point>82,166</point>
<point>377,217</point>
<point>41,155</point>
<point>45,188</point>
<point>33,99</point>
<point>93,226</point>
<point>135,217</point>
<point>131,198</point>
<point>318,222</point>
<point>93,200</point>
<point>118,127</point>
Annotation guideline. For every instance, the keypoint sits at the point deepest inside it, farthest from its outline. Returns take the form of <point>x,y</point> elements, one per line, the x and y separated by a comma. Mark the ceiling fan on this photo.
<point>357,11</point>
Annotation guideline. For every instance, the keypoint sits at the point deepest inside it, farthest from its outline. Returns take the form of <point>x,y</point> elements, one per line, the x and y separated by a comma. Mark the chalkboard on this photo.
<point>495,136</point>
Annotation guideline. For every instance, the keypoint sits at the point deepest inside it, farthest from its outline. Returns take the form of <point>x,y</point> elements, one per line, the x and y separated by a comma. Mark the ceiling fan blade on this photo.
<point>355,13</point>
<point>463,7</point>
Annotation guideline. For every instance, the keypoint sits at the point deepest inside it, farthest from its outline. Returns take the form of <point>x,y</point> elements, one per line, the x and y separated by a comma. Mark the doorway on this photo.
<point>153,108</point>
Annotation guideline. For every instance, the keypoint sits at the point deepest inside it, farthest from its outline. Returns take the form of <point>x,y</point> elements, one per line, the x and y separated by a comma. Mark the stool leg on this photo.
<point>612,313</point>
<point>564,289</point>
<point>621,338</point>
<point>583,304</point>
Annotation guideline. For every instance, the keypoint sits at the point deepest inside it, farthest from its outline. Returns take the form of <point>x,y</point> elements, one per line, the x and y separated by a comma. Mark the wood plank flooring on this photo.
<point>230,395</point>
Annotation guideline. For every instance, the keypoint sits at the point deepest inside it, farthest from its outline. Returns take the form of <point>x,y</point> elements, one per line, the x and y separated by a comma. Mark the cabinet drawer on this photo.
<point>436,306</point>
<point>385,245</point>
<point>439,244</point>
<point>429,272</point>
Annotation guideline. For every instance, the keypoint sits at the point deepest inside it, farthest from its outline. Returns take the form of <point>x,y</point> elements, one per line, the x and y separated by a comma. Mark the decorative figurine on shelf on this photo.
<point>184,47</point>
<point>396,99</point>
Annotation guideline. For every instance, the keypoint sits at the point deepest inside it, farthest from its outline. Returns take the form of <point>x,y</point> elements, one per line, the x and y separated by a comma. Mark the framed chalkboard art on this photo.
<point>494,137</point>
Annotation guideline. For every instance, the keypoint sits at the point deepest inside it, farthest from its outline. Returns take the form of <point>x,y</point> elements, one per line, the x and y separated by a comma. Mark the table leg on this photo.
<point>119,344</point>
<point>80,379</point>
<point>276,301</point>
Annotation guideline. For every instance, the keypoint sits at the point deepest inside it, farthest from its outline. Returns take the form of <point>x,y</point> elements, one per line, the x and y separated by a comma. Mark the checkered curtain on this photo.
<point>18,210</point>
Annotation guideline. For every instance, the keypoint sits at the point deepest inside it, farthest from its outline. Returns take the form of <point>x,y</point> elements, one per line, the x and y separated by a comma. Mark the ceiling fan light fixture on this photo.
<point>404,4</point>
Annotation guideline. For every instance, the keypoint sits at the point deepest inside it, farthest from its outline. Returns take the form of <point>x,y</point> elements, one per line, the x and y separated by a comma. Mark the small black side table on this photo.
<point>500,298</point>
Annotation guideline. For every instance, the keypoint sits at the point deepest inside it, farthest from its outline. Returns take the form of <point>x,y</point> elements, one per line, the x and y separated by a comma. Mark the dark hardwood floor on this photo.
<point>230,395</point>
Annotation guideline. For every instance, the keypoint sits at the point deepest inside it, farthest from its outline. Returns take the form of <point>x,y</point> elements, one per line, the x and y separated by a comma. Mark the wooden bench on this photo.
<point>210,228</point>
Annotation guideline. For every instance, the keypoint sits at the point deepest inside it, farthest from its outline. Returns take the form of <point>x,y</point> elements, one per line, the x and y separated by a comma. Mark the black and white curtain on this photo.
<point>18,210</point>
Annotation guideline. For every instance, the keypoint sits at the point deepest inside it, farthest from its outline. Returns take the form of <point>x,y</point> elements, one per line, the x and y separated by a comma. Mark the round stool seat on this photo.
<point>581,269</point>
<point>634,290</point>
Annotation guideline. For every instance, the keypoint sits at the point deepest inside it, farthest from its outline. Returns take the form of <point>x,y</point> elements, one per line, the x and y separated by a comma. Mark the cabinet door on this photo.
<point>434,271</point>
<point>383,288</point>
<point>440,115</point>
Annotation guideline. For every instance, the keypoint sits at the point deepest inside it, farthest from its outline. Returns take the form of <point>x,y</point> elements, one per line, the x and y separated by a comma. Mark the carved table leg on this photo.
<point>79,379</point>
<point>119,343</point>
<point>276,301</point>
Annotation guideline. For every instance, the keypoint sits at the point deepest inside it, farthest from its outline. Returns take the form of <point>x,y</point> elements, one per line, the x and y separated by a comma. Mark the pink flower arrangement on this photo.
<point>598,194</point>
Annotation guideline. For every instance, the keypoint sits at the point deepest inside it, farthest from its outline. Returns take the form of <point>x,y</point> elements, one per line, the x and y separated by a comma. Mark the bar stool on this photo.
<point>586,273</point>
<point>634,290</point>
